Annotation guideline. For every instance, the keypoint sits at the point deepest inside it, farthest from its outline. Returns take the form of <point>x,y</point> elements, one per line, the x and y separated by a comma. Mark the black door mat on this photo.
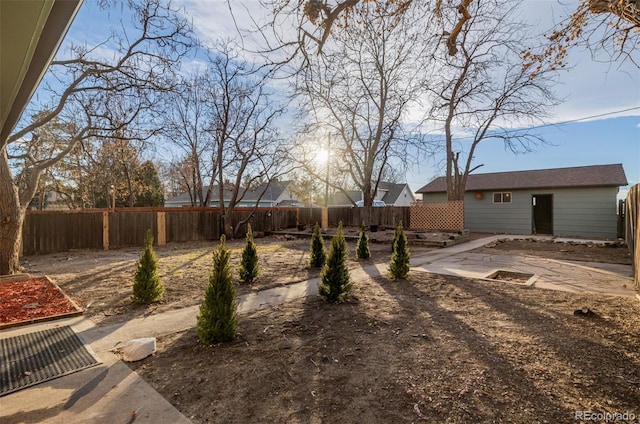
<point>40,356</point>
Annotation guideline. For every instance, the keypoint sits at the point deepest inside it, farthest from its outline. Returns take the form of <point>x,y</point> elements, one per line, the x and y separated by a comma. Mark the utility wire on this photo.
<point>554,124</point>
<point>586,117</point>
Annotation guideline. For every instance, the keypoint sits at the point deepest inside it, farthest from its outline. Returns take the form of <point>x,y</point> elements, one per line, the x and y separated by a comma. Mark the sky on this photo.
<point>598,122</point>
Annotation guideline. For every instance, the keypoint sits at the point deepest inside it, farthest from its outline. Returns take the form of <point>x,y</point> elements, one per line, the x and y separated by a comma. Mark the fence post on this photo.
<point>632,232</point>
<point>162,228</point>
<point>325,217</point>
<point>105,230</point>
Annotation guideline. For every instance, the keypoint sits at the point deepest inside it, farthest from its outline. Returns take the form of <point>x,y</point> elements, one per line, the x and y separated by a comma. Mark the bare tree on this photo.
<point>243,117</point>
<point>611,24</point>
<point>486,89</point>
<point>86,86</point>
<point>188,128</point>
<point>360,90</point>
<point>317,21</point>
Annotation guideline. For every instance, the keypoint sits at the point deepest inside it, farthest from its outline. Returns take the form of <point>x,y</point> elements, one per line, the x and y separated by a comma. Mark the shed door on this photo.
<point>542,214</point>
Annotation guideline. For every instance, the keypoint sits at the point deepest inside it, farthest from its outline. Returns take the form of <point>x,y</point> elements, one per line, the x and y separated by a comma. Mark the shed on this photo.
<point>576,201</point>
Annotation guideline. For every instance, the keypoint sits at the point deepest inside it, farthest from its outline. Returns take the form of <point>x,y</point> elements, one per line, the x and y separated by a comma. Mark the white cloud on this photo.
<point>222,19</point>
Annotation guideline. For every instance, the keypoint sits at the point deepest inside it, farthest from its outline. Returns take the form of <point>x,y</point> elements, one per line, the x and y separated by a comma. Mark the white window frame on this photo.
<point>503,195</point>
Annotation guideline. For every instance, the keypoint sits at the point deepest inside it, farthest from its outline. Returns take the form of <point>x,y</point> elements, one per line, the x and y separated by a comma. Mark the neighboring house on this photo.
<point>276,194</point>
<point>391,194</point>
<point>184,199</point>
<point>578,201</point>
<point>395,194</point>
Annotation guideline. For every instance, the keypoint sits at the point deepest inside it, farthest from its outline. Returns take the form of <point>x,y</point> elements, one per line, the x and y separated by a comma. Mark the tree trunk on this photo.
<point>11,219</point>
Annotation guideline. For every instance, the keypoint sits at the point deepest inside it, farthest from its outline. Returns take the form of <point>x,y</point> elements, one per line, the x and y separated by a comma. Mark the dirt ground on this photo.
<point>432,348</point>
<point>613,253</point>
<point>102,281</point>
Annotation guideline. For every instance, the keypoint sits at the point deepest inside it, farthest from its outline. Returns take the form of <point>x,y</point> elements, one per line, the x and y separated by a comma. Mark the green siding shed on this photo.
<point>578,201</point>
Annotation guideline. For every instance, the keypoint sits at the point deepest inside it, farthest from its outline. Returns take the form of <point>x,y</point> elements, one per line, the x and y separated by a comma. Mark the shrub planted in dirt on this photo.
<point>362,251</point>
<point>218,317</point>
<point>147,287</point>
<point>335,285</point>
<point>318,254</point>
<point>249,268</point>
<point>395,238</point>
<point>400,258</point>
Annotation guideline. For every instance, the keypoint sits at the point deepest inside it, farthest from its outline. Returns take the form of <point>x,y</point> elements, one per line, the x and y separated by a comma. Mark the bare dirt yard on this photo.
<point>101,282</point>
<point>431,348</point>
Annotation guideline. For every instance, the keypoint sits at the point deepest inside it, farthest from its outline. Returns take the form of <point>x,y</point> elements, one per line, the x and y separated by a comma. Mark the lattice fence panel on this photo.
<point>442,216</point>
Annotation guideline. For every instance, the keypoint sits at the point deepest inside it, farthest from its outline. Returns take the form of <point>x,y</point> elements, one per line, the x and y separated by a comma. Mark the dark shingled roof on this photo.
<point>270,193</point>
<point>581,176</point>
<point>215,194</point>
<point>391,195</point>
<point>393,191</point>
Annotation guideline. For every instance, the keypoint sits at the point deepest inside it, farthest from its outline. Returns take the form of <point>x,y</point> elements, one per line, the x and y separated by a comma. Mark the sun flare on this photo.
<point>322,156</point>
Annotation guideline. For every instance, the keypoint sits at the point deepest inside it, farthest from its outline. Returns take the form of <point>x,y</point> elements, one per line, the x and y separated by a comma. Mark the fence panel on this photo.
<point>50,232</point>
<point>128,228</point>
<point>59,231</point>
<point>309,216</point>
<point>285,219</point>
<point>632,231</point>
<point>265,219</point>
<point>196,225</point>
<point>388,216</point>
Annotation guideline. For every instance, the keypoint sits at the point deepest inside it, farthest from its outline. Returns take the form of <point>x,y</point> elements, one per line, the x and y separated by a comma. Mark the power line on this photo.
<point>587,117</point>
<point>553,124</point>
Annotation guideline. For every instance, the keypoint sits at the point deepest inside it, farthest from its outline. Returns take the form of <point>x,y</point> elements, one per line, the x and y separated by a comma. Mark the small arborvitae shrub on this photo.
<point>218,317</point>
<point>318,253</point>
<point>335,285</point>
<point>400,258</point>
<point>249,268</point>
<point>147,287</point>
<point>363,252</point>
<point>395,238</point>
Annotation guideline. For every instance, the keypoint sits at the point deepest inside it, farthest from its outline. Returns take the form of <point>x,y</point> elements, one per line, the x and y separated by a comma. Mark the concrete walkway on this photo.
<point>112,393</point>
<point>571,276</point>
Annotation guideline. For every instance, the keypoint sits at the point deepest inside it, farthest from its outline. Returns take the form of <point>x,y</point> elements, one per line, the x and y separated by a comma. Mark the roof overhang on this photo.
<point>30,34</point>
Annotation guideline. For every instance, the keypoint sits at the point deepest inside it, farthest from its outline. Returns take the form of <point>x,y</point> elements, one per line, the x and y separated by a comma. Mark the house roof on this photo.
<point>215,195</point>
<point>340,199</point>
<point>581,176</point>
<point>271,193</point>
<point>393,191</point>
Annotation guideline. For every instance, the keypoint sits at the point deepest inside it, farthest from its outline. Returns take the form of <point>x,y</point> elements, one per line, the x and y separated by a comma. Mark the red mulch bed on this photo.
<point>33,299</point>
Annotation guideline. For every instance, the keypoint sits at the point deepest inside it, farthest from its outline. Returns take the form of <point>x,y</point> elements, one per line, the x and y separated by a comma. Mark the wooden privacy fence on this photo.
<point>49,232</point>
<point>60,231</point>
<point>632,231</point>
<point>352,217</point>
